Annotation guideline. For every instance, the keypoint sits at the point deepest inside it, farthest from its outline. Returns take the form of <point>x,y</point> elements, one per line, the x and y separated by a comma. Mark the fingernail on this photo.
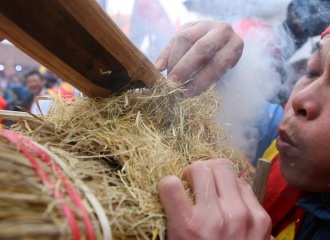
<point>160,64</point>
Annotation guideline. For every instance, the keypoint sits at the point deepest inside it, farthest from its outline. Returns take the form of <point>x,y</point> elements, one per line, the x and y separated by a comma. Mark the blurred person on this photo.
<point>65,90</point>
<point>3,82</point>
<point>56,86</point>
<point>297,196</point>
<point>36,84</point>
<point>15,92</point>
<point>52,80</point>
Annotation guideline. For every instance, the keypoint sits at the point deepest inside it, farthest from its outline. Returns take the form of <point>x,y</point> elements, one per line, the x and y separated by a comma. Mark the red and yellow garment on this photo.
<point>280,200</point>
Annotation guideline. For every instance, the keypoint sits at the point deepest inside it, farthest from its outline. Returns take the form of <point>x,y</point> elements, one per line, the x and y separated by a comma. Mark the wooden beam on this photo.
<point>90,15</point>
<point>79,42</point>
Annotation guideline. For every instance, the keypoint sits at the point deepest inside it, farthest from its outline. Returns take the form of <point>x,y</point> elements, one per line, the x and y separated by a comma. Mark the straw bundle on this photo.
<point>121,146</point>
<point>40,198</point>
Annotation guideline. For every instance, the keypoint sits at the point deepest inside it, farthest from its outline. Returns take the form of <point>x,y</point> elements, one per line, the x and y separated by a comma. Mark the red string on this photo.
<point>243,171</point>
<point>21,142</point>
<point>68,187</point>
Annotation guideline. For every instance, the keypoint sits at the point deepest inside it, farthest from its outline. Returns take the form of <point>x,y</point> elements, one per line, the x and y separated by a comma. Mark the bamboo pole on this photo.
<point>261,178</point>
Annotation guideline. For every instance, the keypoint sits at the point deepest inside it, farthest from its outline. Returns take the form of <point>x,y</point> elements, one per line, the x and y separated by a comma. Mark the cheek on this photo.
<point>315,162</point>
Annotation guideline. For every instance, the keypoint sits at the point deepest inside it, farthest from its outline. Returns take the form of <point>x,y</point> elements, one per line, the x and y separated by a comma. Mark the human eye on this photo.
<point>311,74</point>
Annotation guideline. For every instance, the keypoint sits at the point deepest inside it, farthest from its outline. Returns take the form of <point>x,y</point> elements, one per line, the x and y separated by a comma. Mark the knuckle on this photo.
<point>184,37</point>
<point>263,218</point>
<point>205,48</point>
<point>191,227</point>
<point>240,214</point>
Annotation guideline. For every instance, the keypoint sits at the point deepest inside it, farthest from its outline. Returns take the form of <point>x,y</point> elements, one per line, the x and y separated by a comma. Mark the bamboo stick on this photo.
<point>15,115</point>
<point>261,178</point>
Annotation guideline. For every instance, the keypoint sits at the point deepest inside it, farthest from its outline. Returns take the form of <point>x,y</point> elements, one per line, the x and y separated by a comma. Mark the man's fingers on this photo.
<point>248,195</point>
<point>216,67</point>
<point>192,41</point>
<point>162,59</point>
<point>174,198</point>
<point>200,47</point>
<point>225,180</point>
<point>161,62</point>
<point>200,178</point>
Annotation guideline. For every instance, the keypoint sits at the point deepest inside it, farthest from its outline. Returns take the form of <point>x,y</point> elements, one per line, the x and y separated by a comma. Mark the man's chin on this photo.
<point>296,178</point>
<point>290,173</point>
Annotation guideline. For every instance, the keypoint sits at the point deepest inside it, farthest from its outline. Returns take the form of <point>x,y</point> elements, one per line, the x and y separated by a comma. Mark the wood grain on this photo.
<point>79,42</point>
<point>261,178</point>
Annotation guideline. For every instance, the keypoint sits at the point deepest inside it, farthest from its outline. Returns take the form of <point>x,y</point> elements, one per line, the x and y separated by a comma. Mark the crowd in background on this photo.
<point>19,91</point>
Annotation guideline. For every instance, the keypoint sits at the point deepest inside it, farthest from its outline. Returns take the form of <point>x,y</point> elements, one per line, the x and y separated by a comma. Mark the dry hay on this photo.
<point>121,146</point>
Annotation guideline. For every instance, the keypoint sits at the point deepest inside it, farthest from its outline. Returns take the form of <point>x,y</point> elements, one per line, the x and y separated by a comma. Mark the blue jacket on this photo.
<point>316,223</point>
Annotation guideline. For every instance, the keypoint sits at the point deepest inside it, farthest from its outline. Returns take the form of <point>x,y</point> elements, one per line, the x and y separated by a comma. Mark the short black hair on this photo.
<point>33,72</point>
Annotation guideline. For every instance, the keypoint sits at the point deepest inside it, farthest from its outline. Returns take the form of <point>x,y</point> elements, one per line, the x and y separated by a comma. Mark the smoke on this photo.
<point>252,92</point>
<point>252,88</point>
<point>238,9</point>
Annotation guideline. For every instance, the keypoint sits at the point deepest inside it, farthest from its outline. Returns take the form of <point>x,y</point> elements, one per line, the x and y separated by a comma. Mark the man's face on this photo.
<point>34,83</point>
<point>304,134</point>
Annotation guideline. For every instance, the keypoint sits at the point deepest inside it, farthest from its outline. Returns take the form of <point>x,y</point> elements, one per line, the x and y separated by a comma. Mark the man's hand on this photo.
<point>199,54</point>
<point>225,207</point>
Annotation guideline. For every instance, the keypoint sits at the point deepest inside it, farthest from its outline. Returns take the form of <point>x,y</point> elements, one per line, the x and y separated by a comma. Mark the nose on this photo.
<point>305,102</point>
